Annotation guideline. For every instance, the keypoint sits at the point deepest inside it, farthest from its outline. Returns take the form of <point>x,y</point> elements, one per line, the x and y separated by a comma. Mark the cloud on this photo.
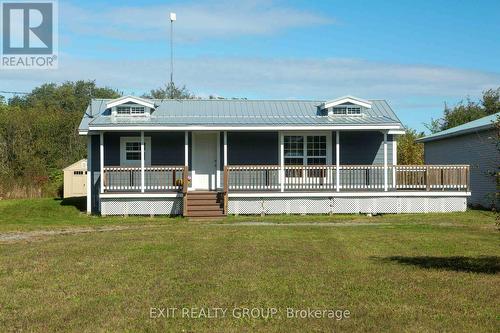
<point>272,78</point>
<point>195,22</point>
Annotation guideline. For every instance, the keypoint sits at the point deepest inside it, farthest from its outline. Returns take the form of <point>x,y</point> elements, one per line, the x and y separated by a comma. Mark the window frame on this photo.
<point>123,151</point>
<point>305,156</point>
<point>131,112</point>
<point>347,110</point>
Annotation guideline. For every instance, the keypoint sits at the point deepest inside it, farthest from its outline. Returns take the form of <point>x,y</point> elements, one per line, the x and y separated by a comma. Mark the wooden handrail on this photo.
<point>226,187</point>
<point>185,186</point>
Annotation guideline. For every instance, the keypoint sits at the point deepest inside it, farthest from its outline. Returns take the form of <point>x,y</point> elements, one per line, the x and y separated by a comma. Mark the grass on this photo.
<point>434,272</point>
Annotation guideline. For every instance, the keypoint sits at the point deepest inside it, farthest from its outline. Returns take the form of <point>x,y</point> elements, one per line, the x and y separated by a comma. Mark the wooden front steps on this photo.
<point>204,204</point>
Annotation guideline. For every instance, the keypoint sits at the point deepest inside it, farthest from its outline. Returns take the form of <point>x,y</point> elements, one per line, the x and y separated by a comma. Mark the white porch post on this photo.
<point>337,160</point>
<point>89,174</point>
<point>225,148</point>
<point>186,148</point>
<point>385,161</point>
<point>142,161</point>
<point>394,160</point>
<point>101,161</point>
<point>282,162</point>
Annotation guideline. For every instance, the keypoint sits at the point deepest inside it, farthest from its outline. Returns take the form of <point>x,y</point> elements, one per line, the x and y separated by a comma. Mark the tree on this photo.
<point>491,101</point>
<point>38,136</point>
<point>69,96</point>
<point>467,111</point>
<point>409,151</point>
<point>170,91</point>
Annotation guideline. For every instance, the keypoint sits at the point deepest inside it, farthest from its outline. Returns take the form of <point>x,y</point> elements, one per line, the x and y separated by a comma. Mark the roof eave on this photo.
<point>271,127</point>
<point>436,136</point>
<point>128,99</point>
<point>346,99</point>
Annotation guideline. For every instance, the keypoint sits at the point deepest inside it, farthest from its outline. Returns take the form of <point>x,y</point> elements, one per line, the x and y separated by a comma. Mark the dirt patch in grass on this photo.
<point>40,234</point>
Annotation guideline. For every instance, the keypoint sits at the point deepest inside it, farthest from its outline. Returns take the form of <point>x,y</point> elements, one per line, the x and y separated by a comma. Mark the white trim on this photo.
<point>89,175</point>
<point>101,160</point>
<point>123,155</point>
<point>394,160</point>
<point>186,148</point>
<point>243,128</point>
<point>396,132</point>
<point>225,148</point>
<point>83,132</point>
<point>347,194</point>
<point>394,152</point>
<point>337,160</point>
<point>141,195</point>
<point>129,99</point>
<point>142,161</point>
<point>217,172</point>
<point>346,99</point>
<point>282,161</point>
<point>385,162</point>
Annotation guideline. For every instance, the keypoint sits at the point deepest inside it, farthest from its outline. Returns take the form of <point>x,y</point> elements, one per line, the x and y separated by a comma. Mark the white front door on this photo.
<point>204,168</point>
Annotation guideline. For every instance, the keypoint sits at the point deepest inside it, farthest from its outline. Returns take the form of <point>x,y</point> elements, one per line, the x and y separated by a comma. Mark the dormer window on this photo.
<point>345,106</point>
<point>130,110</point>
<point>346,110</point>
<point>131,106</point>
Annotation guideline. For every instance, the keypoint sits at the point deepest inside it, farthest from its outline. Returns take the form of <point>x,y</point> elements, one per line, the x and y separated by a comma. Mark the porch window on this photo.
<point>304,150</point>
<point>130,151</point>
<point>133,150</point>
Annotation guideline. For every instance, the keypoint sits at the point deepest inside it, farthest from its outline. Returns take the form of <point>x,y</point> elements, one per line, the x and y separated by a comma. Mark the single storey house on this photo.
<point>215,157</point>
<point>476,144</point>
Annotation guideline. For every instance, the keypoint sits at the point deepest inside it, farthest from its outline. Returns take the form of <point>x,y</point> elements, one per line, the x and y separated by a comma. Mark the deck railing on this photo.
<point>296,178</point>
<point>156,178</point>
<point>254,177</point>
<point>432,177</point>
<point>350,177</point>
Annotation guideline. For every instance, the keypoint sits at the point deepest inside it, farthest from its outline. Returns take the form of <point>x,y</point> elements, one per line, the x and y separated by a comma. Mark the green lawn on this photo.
<point>435,272</point>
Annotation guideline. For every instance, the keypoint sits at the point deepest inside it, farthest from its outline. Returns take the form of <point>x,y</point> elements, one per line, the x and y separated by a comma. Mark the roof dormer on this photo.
<point>347,105</point>
<point>130,106</point>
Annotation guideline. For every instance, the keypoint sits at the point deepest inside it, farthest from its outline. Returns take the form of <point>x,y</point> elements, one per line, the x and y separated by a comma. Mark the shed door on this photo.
<point>79,183</point>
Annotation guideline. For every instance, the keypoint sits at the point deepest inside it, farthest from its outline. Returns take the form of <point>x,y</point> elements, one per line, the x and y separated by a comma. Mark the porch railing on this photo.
<point>350,177</point>
<point>432,177</point>
<point>156,178</point>
<point>297,178</point>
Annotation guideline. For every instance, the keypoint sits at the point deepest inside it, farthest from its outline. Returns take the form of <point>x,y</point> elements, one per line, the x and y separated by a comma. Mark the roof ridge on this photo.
<point>231,99</point>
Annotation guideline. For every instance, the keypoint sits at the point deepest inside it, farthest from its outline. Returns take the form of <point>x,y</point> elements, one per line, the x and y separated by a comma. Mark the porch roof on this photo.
<point>238,113</point>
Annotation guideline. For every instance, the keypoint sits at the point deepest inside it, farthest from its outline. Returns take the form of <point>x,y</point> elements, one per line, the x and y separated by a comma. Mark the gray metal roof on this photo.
<point>477,125</point>
<point>238,113</point>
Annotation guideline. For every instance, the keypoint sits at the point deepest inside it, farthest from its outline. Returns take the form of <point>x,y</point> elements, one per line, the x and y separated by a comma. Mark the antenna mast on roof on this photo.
<point>173,17</point>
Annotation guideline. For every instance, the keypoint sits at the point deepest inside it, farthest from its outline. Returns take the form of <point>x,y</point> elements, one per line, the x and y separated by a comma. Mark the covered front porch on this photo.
<point>265,172</point>
<point>155,162</point>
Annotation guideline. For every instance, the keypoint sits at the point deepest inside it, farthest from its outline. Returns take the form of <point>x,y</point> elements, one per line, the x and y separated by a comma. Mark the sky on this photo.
<point>417,55</point>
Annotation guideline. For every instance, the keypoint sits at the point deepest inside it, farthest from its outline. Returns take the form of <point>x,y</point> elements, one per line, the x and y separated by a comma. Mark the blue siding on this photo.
<point>95,173</point>
<point>475,149</point>
<point>167,148</point>
<point>249,148</point>
<point>362,148</point>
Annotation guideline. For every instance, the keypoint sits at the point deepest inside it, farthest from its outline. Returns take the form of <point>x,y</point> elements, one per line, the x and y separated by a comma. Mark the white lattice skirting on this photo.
<point>349,205</point>
<point>140,206</point>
